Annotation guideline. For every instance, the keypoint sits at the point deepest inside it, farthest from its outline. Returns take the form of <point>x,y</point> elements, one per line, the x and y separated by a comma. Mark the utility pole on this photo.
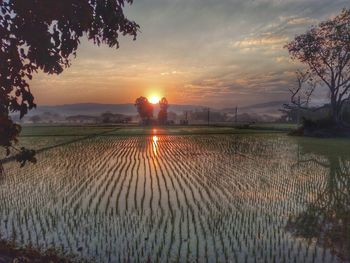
<point>298,118</point>
<point>185,121</point>
<point>208,116</point>
<point>236,112</point>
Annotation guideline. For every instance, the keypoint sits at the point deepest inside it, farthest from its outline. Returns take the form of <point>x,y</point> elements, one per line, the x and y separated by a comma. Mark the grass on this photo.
<point>67,130</point>
<point>126,130</point>
<point>275,126</point>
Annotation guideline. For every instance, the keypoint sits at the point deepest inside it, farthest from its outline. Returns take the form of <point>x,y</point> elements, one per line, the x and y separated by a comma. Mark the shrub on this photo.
<point>324,123</point>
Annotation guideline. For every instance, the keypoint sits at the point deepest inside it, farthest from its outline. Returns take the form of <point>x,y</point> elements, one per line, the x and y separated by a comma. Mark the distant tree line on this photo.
<point>107,117</point>
<point>295,114</point>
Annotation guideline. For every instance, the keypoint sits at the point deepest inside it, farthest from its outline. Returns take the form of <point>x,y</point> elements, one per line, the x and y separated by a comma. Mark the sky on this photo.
<point>217,53</point>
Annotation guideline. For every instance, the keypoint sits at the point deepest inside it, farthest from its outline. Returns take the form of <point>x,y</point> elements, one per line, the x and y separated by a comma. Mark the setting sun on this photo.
<point>154,99</point>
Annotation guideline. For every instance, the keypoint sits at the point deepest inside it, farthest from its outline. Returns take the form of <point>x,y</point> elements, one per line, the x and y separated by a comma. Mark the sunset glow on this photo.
<point>230,63</point>
<point>154,99</point>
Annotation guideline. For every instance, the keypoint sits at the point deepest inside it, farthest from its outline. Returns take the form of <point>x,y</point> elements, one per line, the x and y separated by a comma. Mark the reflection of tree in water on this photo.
<point>2,171</point>
<point>327,218</point>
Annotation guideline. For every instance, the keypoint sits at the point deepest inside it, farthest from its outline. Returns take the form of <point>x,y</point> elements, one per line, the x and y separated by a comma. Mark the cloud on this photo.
<point>173,72</point>
<point>232,88</point>
<point>266,40</point>
<point>202,51</point>
<point>294,20</point>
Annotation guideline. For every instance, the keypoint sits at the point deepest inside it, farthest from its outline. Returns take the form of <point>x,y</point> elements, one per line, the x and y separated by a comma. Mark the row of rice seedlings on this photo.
<point>193,211</point>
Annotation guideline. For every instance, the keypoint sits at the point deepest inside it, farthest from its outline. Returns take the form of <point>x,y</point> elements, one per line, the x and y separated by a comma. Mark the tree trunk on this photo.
<point>336,112</point>
<point>335,117</point>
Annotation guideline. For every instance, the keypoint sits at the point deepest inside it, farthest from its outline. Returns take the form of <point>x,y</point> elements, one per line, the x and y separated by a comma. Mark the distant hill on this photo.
<point>95,109</point>
<point>267,108</point>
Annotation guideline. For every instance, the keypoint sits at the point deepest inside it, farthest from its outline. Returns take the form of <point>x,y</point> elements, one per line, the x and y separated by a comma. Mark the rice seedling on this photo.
<point>203,198</point>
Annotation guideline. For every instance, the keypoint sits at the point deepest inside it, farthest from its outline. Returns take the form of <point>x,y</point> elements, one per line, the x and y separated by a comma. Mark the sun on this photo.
<point>154,99</point>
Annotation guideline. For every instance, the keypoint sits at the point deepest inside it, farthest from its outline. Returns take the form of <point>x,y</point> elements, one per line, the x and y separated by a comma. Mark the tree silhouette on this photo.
<point>327,217</point>
<point>43,35</point>
<point>325,50</point>
<point>145,109</point>
<point>163,112</point>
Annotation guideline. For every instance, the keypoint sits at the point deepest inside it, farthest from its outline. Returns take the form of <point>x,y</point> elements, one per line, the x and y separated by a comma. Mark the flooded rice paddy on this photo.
<point>183,198</point>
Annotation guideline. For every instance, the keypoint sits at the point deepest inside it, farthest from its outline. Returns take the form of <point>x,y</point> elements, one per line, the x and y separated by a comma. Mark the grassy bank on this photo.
<point>9,252</point>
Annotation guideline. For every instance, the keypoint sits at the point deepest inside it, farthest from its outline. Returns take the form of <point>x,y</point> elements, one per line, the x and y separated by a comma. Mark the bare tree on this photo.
<point>325,50</point>
<point>301,93</point>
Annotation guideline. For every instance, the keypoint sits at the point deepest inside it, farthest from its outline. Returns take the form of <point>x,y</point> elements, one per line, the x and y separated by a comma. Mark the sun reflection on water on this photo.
<point>155,145</point>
